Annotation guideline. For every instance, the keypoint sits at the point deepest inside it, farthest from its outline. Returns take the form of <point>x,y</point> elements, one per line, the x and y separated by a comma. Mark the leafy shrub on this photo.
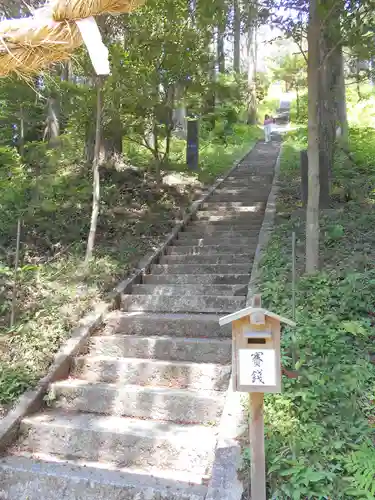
<point>318,431</point>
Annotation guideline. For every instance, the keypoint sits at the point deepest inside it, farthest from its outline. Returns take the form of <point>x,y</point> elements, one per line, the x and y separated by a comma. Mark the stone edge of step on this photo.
<point>67,471</point>
<point>32,400</point>
<point>224,483</point>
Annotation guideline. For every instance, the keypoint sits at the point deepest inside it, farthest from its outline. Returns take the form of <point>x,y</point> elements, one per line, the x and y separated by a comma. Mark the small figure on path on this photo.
<point>267,128</point>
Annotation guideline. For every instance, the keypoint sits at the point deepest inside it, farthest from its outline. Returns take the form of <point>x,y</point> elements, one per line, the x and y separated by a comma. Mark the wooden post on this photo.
<point>258,460</point>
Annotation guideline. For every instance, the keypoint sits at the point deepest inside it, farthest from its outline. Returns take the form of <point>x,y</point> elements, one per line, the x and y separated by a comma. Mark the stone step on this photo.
<point>201,268</point>
<point>24,478</point>
<point>124,442</point>
<point>187,290</point>
<point>222,225</point>
<point>165,325</point>
<point>211,249</point>
<point>201,279</point>
<point>232,215</point>
<point>193,239</point>
<point>157,403</point>
<point>223,197</point>
<point>242,191</point>
<point>212,206</point>
<point>247,177</point>
<point>218,258</point>
<point>146,372</point>
<point>182,303</point>
<point>221,233</point>
<point>191,349</point>
<point>209,209</point>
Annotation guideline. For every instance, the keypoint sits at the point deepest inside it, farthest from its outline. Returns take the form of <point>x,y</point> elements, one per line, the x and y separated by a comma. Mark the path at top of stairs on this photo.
<point>138,416</point>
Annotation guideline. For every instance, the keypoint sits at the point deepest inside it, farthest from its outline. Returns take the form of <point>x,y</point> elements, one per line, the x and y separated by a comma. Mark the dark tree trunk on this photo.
<point>220,50</point>
<point>236,36</point>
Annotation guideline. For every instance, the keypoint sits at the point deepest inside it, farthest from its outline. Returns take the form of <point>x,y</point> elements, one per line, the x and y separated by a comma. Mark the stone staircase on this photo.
<point>137,418</point>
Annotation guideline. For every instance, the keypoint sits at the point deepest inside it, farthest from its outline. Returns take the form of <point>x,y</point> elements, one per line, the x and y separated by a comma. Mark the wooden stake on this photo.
<point>15,275</point>
<point>258,461</point>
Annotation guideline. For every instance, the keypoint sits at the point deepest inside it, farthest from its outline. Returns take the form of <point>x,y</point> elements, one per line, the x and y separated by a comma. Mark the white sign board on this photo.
<point>257,367</point>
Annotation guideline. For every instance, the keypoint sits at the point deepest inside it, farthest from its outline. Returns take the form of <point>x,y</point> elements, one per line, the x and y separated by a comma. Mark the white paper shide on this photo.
<point>257,367</point>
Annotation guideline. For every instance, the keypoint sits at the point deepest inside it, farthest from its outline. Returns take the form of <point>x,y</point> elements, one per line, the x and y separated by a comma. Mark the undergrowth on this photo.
<point>52,194</point>
<point>320,429</point>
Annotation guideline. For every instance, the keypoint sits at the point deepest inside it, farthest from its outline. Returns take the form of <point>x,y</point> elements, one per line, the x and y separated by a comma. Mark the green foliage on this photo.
<point>319,429</point>
<point>361,463</point>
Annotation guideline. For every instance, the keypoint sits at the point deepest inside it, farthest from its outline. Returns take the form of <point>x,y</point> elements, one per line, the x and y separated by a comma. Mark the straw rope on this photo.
<point>50,35</point>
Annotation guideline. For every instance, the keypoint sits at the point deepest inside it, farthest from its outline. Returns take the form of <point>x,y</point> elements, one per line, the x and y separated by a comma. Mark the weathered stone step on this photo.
<point>191,349</point>
<point>242,191</point>
<point>178,325</point>
<point>182,303</point>
<point>224,224</point>
<point>233,206</point>
<point>201,268</point>
<point>24,478</point>
<point>210,216</point>
<point>191,279</point>
<point>124,442</point>
<point>224,197</point>
<point>146,372</point>
<point>249,177</point>
<point>193,239</point>
<point>223,233</point>
<point>212,258</point>
<point>186,290</point>
<point>209,209</point>
<point>157,403</point>
<point>210,250</point>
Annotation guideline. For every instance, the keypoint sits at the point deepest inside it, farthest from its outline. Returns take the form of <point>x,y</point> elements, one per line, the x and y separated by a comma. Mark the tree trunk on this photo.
<point>111,144</point>
<point>21,142</point>
<point>297,101</point>
<point>52,130</point>
<point>237,36</point>
<point>220,48</point>
<point>313,73</point>
<point>340,97</point>
<point>251,75</point>
<point>95,175</point>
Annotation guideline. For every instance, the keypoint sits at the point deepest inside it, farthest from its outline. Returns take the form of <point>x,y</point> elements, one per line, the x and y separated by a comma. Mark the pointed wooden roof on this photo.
<point>250,310</point>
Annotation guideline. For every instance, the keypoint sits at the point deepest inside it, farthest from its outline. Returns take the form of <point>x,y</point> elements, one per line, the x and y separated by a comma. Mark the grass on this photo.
<point>54,290</point>
<point>320,429</point>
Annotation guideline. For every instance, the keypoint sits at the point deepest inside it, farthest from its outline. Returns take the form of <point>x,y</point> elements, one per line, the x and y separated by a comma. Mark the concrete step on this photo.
<point>188,290</point>
<point>156,403</point>
<point>193,239</point>
<point>182,303</point>
<point>218,258</point>
<point>23,478</point>
<point>211,249</point>
<point>201,268</point>
<point>191,349</point>
<point>201,279</point>
<point>165,325</point>
<point>146,372</point>
<point>124,442</point>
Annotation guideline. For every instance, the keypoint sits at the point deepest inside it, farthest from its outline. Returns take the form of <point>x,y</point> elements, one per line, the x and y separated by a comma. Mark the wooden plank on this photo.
<point>258,461</point>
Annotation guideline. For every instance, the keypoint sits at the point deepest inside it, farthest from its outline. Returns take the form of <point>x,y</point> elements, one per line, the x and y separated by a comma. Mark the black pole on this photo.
<point>192,144</point>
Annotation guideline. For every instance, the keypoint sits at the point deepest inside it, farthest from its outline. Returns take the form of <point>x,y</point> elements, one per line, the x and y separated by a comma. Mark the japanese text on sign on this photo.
<point>257,367</point>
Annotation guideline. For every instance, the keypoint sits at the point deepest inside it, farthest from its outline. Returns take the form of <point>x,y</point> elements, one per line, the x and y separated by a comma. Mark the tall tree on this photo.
<point>236,36</point>
<point>95,175</point>
<point>314,78</point>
